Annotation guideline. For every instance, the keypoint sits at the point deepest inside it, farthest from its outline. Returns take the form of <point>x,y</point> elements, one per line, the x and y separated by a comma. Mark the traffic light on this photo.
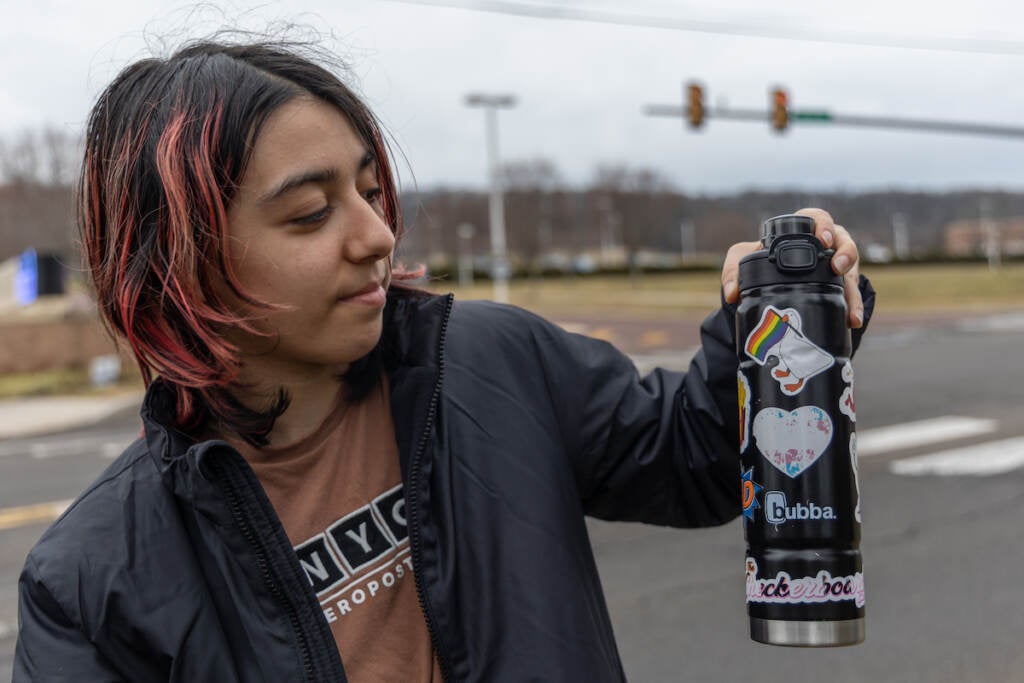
<point>780,109</point>
<point>695,104</point>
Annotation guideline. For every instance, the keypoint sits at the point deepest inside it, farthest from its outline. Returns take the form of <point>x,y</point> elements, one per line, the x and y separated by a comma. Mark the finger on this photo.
<point>854,301</point>
<point>823,225</point>
<point>847,255</point>
<point>731,269</point>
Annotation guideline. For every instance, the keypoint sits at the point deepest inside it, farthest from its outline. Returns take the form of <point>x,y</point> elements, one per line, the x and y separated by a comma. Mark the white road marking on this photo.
<point>985,459</point>
<point>7,630</point>
<point>1005,322</point>
<point>103,445</point>
<point>100,446</point>
<point>921,433</point>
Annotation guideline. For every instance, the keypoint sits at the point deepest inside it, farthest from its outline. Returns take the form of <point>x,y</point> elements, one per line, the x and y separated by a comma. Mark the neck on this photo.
<point>312,391</point>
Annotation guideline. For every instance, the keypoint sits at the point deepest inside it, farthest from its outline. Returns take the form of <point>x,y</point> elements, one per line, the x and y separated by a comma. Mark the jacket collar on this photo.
<point>414,359</point>
<point>158,409</point>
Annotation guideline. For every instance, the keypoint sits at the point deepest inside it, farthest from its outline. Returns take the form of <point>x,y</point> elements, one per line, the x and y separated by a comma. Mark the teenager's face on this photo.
<point>306,231</point>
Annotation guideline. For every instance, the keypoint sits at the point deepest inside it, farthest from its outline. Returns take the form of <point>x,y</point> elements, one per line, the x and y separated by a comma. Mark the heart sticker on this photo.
<point>792,440</point>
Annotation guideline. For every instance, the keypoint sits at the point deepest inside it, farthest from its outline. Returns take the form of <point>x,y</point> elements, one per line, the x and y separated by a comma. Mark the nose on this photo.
<point>368,238</point>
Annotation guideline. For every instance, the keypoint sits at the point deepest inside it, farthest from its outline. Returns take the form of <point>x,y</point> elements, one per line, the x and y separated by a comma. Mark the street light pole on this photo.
<point>465,232</point>
<point>499,259</point>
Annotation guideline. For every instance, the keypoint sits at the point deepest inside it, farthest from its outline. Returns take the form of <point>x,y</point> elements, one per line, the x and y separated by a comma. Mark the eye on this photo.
<point>313,218</point>
<point>373,195</point>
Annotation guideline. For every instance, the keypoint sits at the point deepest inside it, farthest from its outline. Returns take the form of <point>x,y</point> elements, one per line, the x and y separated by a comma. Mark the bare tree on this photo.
<point>37,170</point>
<point>49,156</point>
<point>637,208</point>
<point>19,159</point>
<point>62,156</point>
<point>531,187</point>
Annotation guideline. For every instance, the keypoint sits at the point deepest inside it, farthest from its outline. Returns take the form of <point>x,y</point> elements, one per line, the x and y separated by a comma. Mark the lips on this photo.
<point>372,294</point>
<point>368,289</point>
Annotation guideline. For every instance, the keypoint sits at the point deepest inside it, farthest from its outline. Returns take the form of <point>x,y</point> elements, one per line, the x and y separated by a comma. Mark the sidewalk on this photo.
<point>30,416</point>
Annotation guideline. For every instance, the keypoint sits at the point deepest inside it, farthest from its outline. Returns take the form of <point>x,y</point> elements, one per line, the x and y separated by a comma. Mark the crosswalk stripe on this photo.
<point>993,457</point>
<point>921,433</point>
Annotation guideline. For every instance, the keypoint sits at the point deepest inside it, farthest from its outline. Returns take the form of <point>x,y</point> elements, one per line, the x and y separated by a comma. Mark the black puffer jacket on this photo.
<point>174,566</point>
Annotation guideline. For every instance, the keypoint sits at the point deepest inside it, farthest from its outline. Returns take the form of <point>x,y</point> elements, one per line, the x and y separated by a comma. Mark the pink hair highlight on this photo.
<point>192,231</point>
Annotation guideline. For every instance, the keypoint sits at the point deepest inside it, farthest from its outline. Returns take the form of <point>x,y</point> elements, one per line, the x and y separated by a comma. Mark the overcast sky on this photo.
<point>582,85</point>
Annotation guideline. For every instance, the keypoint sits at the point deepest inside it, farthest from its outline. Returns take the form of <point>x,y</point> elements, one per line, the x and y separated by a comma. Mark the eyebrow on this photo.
<point>316,176</point>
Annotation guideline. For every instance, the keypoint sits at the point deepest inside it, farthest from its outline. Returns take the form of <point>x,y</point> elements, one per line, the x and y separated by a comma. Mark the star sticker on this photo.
<point>750,491</point>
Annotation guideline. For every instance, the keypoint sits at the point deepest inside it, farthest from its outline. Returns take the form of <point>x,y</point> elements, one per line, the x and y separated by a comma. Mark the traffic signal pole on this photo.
<point>780,117</point>
<point>923,125</point>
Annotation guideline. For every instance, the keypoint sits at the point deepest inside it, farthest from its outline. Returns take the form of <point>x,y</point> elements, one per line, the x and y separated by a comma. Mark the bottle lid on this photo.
<point>790,254</point>
<point>788,224</point>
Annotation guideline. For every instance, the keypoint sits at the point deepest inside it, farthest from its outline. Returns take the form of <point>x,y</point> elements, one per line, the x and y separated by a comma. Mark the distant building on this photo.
<point>971,237</point>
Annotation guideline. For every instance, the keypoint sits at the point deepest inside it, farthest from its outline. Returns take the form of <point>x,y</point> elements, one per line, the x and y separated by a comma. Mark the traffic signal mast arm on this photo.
<point>892,122</point>
<point>822,116</point>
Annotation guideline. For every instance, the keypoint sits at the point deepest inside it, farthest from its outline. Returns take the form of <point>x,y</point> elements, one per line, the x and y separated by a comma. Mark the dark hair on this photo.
<point>166,147</point>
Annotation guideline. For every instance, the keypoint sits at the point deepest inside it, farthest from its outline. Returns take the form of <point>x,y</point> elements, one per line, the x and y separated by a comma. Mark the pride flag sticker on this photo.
<point>779,334</point>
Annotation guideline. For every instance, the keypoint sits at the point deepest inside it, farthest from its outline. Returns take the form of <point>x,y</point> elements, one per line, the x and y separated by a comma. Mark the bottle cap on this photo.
<point>791,254</point>
<point>788,224</point>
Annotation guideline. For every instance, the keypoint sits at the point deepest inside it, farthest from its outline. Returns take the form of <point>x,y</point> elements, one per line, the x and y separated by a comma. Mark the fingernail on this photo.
<point>730,290</point>
<point>828,237</point>
<point>842,263</point>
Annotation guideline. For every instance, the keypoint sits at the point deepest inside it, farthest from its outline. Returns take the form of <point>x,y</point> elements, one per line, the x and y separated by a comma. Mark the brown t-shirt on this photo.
<point>339,495</point>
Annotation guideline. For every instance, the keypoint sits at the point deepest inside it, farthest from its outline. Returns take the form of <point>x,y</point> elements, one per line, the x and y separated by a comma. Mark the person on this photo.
<point>342,477</point>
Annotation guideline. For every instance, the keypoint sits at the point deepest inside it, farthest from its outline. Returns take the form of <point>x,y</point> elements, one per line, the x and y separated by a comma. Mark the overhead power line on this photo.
<point>995,46</point>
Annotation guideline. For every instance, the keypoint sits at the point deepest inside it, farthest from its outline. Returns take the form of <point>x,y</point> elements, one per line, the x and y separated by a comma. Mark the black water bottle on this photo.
<point>801,497</point>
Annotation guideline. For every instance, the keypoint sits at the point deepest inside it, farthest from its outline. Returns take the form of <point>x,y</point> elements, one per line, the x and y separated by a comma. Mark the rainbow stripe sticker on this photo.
<point>769,332</point>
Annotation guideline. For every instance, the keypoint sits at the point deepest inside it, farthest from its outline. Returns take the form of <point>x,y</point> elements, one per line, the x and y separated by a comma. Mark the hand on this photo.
<point>845,262</point>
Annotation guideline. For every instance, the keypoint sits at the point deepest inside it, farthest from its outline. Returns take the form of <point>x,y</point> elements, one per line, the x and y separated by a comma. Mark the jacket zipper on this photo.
<point>262,562</point>
<point>414,522</point>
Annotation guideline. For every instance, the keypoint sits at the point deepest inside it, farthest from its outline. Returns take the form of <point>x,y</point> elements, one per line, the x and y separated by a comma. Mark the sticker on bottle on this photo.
<point>750,490</point>
<point>787,590</point>
<point>744,400</point>
<point>847,406</point>
<point>856,476</point>
<point>779,335</point>
<point>792,440</point>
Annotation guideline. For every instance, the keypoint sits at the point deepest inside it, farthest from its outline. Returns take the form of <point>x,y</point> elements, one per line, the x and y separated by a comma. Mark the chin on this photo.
<point>354,345</point>
<point>339,342</point>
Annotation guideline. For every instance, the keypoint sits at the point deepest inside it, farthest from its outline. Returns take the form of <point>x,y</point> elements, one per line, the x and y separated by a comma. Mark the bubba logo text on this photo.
<point>777,511</point>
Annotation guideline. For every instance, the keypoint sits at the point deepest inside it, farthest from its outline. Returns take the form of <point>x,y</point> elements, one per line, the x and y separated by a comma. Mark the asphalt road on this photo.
<point>942,553</point>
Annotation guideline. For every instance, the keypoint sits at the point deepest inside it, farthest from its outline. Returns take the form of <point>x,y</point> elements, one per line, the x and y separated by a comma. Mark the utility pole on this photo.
<point>465,232</point>
<point>687,240</point>
<point>609,221</point>
<point>900,236</point>
<point>990,233</point>
<point>499,258</point>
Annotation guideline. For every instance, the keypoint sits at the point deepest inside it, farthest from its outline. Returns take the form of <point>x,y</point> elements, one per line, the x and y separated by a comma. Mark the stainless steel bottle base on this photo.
<point>807,633</point>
